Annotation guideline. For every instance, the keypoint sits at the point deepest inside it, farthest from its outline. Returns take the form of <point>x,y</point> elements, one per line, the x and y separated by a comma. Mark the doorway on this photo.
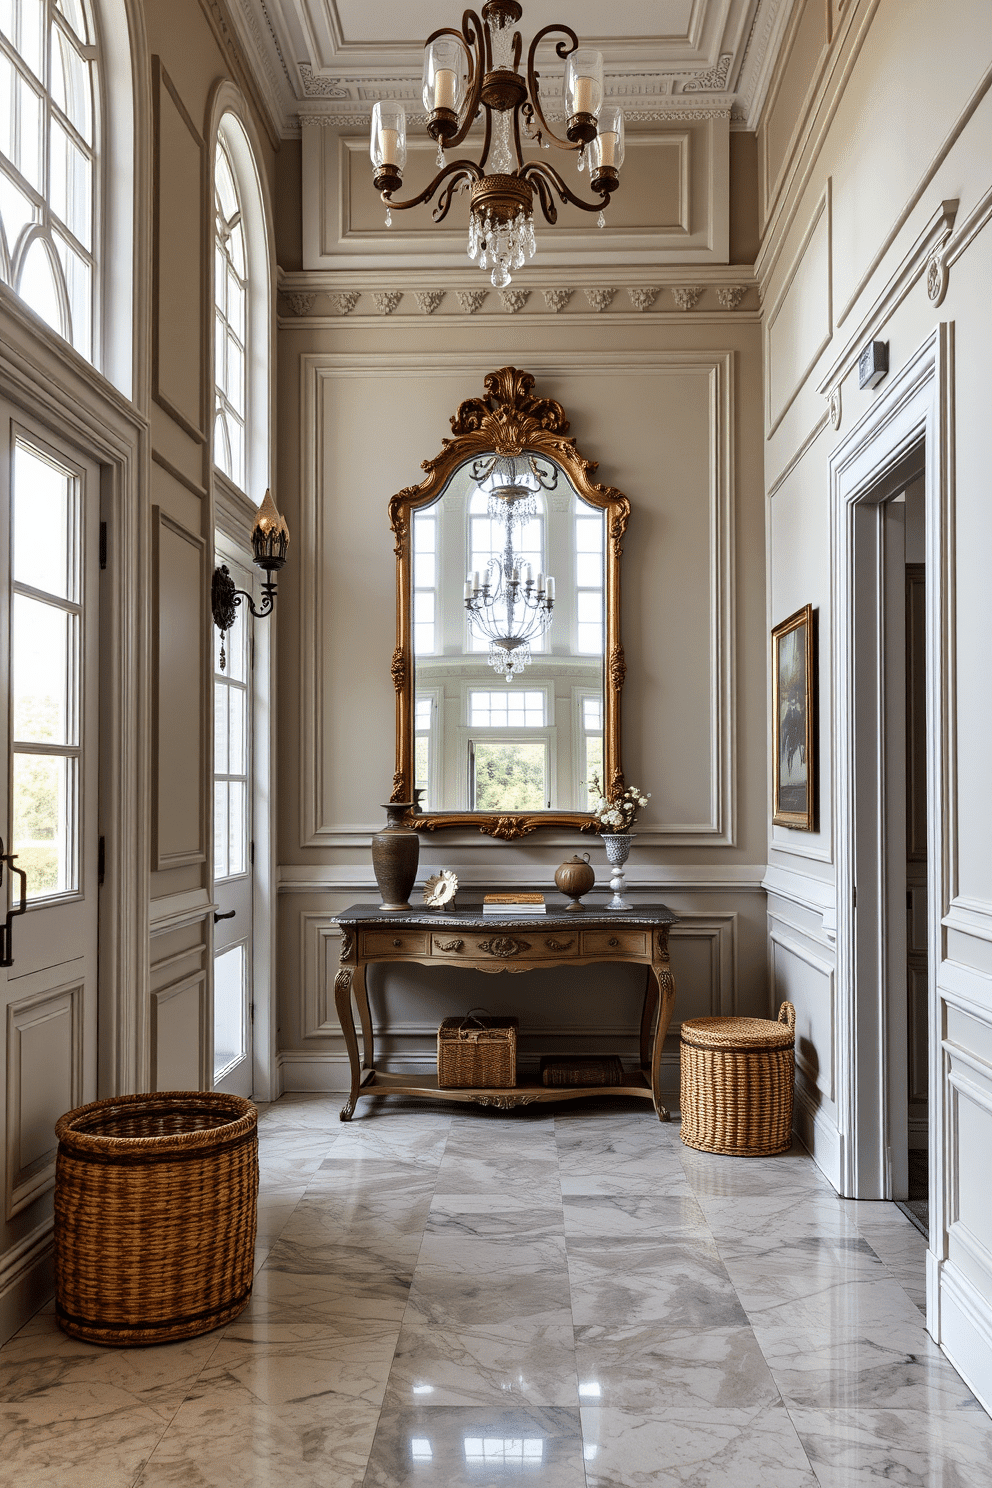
<point>50,552</point>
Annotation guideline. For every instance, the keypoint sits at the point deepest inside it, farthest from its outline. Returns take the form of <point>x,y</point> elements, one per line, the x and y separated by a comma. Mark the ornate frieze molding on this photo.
<point>714,81</point>
<point>343,303</point>
<point>643,299</point>
<point>600,299</point>
<point>729,296</point>
<point>686,296</point>
<point>386,300</point>
<point>428,299</point>
<point>557,299</point>
<point>514,299</point>
<point>302,301</point>
<point>471,300</point>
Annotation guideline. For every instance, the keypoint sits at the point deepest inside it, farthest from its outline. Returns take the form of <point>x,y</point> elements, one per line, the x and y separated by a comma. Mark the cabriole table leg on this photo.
<point>342,1003</point>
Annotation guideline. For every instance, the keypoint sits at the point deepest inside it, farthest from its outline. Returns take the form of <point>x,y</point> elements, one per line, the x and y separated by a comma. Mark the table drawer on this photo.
<point>617,943</point>
<point>507,945</point>
<point>380,945</point>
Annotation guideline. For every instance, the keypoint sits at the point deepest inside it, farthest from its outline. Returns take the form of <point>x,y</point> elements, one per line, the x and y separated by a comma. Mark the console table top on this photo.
<point>471,917</point>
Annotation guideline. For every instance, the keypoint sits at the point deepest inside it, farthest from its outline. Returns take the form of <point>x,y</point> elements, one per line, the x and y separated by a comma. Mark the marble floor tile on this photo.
<point>451,1300</point>
<point>678,1286</point>
<point>895,1367</point>
<point>536,1179</point>
<point>523,1249</point>
<point>644,1217</point>
<point>833,1306</point>
<point>737,1177</point>
<point>897,1448</point>
<point>530,1363</point>
<point>522,1225</point>
<point>489,1203</point>
<point>693,1448</point>
<point>639,1367</point>
<point>339,1298</point>
<point>477,1447</point>
<point>103,1445</point>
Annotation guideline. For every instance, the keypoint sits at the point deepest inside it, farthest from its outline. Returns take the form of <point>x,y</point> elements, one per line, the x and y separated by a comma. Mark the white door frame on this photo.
<point>234,515</point>
<point>910,417</point>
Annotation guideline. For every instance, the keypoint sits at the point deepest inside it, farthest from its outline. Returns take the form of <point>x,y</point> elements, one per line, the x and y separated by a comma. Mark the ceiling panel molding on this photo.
<point>333,58</point>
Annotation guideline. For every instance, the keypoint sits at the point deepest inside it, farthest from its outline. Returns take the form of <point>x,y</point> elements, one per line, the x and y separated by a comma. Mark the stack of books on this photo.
<point>514,904</point>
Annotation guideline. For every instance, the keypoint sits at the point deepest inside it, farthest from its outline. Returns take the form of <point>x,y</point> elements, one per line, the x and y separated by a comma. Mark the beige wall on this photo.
<point>668,401</point>
<point>878,114</point>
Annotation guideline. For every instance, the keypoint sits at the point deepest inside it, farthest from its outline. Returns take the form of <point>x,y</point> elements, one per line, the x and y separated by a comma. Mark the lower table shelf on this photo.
<point>504,1098</point>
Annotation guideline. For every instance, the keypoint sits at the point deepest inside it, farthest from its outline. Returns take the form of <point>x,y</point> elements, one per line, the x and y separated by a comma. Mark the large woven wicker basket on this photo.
<point>477,1051</point>
<point>738,1076</point>
<point>155,1213</point>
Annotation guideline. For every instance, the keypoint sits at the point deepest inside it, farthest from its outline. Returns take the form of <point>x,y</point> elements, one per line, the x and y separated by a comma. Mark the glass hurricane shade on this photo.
<point>583,82</point>
<point>269,536</point>
<point>444,75</point>
<point>608,146</point>
<point>510,479</point>
<point>388,145</point>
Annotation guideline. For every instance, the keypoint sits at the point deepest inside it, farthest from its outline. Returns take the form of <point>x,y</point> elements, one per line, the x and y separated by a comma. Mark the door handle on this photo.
<point>6,957</point>
<point>229,916</point>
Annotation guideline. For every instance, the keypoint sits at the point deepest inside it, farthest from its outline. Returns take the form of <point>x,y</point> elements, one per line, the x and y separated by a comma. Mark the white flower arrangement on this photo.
<point>617,814</point>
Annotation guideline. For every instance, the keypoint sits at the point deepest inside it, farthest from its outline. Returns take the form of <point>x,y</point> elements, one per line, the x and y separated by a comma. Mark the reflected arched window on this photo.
<point>48,133</point>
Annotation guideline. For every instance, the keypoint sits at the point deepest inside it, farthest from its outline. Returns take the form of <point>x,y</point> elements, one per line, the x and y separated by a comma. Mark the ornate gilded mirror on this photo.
<point>508,665</point>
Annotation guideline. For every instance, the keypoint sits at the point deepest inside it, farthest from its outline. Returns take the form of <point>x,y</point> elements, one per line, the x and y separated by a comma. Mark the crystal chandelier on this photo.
<point>478,69</point>
<point>508,604</point>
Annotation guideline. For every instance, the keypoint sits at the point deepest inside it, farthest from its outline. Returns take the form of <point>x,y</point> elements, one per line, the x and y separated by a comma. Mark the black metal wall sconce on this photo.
<point>269,541</point>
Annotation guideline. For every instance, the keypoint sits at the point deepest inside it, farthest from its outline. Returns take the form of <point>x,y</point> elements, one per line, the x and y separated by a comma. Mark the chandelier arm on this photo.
<point>447,195</point>
<point>543,191</point>
<point>532,82</point>
<point>535,169</point>
<point>467,168</point>
<point>487,138</point>
<point>516,136</point>
<point>473,36</point>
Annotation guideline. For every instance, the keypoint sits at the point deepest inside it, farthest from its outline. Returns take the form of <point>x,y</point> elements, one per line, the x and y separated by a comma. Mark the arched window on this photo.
<point>241,314</point>
<point>48,135</point>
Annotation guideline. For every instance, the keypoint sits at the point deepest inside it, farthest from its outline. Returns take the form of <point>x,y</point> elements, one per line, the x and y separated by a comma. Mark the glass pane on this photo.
<point>37,287</point>
<point>70,184</point>
<point>7,85</point>
<point>227,196</point>
<point>73,12</point>
<point>220,829</point>
<point>44,525</point>
<point>222,444</point>
<point>27,154</point>
<point>236,434</point>
<point>236,306</point>
<point>237,861</point>
<point>235,375</point>
<point>71,84</point>
<point>510,776</point>
<point>78,278</point>
<point>594,765</point>
<point>44,817</point>
<point>31,40</point>
<point>236,251</point>
<point>220,352</point>
<point>236,705</point>
<point>230,1007</point>
<point>589,570</point>
<point>421,765</point>
<point>423,706</point>
<point>42,668</point>
<point>237,642</point>
<point>8,11</point>
<point>589,534</point>
<point>423,570</point>
<point>220,729</point>
<point>16,209</point>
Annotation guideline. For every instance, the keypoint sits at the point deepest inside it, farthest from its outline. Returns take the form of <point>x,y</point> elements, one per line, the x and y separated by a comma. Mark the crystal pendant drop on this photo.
<point>600,220</point>
<point>389,217</point>
<point>441,162</point>
<point>582,157</point>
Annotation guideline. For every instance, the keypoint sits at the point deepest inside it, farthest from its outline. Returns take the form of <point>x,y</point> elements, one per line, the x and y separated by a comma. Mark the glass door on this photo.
<point>233,846</point>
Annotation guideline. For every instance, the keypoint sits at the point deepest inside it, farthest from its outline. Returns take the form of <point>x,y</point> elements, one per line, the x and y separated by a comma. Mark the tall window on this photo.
<point>48,162</point>
<point>425,617</point>
<point>230,321</point>
<point>588,579</point>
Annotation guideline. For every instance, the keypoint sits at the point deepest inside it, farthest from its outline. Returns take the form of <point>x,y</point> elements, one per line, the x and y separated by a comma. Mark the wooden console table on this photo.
<point>468,939</point>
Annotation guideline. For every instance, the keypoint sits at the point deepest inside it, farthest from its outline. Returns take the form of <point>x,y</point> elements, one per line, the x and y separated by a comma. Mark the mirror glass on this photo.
<point>508,579</point>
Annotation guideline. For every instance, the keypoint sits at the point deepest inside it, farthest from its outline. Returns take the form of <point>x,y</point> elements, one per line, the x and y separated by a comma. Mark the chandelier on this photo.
<point>476,69</point>
<point>508,604</point>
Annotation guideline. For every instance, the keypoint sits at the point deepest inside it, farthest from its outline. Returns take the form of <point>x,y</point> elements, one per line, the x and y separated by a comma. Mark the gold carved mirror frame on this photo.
<point>509,420</point>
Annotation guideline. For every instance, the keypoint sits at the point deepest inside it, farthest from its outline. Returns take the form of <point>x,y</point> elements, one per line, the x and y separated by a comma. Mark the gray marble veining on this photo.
<point>464,1297</point>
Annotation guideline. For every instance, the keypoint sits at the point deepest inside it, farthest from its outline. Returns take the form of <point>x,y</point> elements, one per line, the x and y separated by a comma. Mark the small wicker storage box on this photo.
<point>477,1051</point>
<point>737,1084</point>
<point>155,1212</point>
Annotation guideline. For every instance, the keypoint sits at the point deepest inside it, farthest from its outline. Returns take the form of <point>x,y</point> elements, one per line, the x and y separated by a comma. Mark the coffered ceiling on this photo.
<point>333,58</point>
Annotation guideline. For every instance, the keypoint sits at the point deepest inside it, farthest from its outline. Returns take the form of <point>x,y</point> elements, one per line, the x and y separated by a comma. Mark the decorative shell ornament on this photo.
<point>440,889</point>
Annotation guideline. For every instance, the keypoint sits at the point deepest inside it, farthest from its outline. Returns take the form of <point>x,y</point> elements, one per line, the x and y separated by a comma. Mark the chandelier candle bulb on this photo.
<point>444,89</point>
<point>551,591</point>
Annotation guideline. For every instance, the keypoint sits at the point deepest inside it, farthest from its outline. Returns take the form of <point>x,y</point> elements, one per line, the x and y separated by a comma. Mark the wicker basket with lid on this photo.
<point>738,1076</point>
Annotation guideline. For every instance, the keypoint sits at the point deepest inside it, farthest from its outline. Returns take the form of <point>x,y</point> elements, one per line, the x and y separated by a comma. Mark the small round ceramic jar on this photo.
<point>574,878</point>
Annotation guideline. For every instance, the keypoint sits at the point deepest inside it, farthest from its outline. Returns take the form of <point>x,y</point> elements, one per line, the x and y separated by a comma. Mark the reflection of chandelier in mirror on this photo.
<point>476,70</point>
<point>508,604</point>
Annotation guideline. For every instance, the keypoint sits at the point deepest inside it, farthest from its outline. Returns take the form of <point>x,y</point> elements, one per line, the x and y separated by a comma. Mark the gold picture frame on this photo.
<point>793,722</point>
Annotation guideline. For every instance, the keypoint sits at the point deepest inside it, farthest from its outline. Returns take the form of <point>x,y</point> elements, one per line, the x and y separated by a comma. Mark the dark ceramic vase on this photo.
<point>574,878</point>
<point>395,856</point>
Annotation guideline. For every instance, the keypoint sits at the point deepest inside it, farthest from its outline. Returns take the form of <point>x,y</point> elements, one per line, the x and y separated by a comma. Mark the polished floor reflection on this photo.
<point>451,1296</point>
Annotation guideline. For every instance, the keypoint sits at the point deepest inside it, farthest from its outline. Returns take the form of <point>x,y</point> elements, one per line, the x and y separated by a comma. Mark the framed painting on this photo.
<point>793,743</point>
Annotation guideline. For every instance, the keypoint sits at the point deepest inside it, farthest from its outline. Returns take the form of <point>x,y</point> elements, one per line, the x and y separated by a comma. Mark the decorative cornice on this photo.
<point>471,300</point>
<point>557,299</point>
<point>729,296</point>
<point>315,86</point>
<point>386,300</point>
<point>302,301</point>
<point>344,302</point>
<point>714,81</point>
<point>428,299</point>
<point>514,300</point>
<point>600,299</point>
<point>643,299</point>
<point>686,296</point>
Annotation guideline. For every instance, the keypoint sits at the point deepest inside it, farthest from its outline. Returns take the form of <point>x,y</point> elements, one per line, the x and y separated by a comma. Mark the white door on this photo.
<point>49,660</point>
<point>233,845</point>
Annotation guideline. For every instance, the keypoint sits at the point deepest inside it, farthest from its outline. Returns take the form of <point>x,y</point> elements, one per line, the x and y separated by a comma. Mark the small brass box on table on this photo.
<point>477,1051</point>
<point>738,1077</point>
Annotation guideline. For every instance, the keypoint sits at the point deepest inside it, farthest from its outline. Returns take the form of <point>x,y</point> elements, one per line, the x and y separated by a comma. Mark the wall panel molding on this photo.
<point>321,372</point>
<point>44,1079</point>
<point>809,280</point>
<point>182,1021</point>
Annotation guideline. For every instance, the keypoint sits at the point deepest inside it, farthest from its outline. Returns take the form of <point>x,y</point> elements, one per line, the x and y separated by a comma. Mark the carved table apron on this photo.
<point>490,943</point>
